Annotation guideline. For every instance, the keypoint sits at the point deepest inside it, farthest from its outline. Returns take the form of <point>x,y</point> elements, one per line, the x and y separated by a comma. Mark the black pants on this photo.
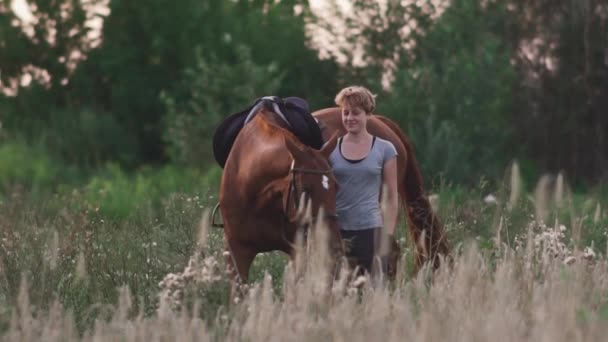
<point>361,247</point>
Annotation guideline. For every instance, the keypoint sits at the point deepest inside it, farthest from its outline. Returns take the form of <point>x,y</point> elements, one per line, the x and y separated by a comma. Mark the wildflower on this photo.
<point>197,272</point>
<point>588,254</point>
<point>569,260</point>
<point>359,281</point>
<point>490,199</point>
<point>434,201</point>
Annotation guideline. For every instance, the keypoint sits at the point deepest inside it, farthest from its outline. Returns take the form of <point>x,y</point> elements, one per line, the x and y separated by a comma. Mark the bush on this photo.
<point>89,138</point>
<point>118,194</point>
<point>29,166</point>
<point>454,95</point>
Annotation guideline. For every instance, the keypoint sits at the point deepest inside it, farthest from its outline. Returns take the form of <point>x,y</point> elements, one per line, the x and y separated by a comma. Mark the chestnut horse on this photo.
<point>266,173</point>
<point>426,230</point>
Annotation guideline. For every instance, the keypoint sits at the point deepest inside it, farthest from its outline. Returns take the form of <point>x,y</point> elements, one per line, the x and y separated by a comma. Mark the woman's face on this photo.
<point>354,119</point>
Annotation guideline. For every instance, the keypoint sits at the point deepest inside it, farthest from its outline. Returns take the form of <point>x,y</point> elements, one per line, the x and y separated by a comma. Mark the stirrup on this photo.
<point>213,223</point>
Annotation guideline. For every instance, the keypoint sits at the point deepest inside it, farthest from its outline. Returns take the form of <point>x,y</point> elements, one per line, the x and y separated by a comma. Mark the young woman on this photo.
<point>365,167</point>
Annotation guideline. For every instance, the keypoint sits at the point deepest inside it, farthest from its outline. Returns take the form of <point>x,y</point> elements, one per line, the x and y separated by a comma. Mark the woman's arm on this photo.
<point>390,196</point>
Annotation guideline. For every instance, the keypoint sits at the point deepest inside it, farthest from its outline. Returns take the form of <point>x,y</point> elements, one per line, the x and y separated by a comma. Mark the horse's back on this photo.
<point>331,121</point>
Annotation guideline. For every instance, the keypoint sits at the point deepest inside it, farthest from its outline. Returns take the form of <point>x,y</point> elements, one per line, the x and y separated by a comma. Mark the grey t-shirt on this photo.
<point>360,182</point>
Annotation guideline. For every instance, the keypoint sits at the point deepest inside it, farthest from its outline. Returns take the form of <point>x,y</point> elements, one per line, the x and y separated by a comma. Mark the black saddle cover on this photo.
<point>303,126</point>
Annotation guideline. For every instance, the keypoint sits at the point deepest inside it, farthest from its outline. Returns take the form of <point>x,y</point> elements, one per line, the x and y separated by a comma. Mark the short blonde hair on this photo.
<point>357,96</point>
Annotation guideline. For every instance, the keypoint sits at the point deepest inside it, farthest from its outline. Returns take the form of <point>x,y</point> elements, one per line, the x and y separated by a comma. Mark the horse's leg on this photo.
<point>426,230</point>
<point>238,257</point>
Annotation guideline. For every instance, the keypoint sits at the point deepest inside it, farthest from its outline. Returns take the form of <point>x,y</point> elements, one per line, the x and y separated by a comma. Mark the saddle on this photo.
<point>293,110</point>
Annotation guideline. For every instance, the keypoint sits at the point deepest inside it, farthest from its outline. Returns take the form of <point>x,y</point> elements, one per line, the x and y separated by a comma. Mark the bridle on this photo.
<point>293,194</point>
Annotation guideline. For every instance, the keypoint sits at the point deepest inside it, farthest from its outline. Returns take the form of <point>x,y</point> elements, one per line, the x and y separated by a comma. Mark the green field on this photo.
<point>108,111</point>
<point>131,258</point>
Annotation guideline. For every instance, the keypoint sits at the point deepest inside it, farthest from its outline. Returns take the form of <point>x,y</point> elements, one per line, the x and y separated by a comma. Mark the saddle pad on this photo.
<point>303,125</point>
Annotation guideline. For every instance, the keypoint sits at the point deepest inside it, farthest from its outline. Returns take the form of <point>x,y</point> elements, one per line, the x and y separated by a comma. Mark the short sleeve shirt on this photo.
<point>360,182</point>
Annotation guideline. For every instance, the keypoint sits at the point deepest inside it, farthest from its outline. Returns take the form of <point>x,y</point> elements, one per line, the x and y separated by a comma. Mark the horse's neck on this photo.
<point>272,195</point>
<point>264,156</point>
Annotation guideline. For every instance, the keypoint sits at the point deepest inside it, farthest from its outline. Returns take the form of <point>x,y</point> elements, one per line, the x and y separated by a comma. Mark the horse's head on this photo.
<point>312,179</point>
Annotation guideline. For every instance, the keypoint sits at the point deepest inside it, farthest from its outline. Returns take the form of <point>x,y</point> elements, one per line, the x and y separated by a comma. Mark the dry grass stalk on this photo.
<point>501,304</point>
<point>541,203</point>
<point>559,190</point>
<point>515,185</point>
<point>81,267</point>
<point>598,214</point>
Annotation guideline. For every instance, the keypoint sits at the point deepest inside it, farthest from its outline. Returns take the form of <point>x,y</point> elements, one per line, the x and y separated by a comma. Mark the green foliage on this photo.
<point>448,77</point>
<point>88,138</point>
<point>118,194</point>
<point>209,91</point>
<point>29,166</point>
<point>139,94</point>
<point>59,30</point>
<point>376,35</point>
<point>561,116</point>
<point>276,33</point>
<point>82,256</point>
<point>68,246</point>
<point>454,95</point>
<point>145,50</point>
<point>498,79</point>
<point>263,52</point>
<point>475,84</point>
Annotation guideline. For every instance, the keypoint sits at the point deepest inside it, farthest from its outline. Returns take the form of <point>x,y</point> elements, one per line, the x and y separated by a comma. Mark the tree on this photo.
<point>443,74</point>
<point>108,106</point>
<point>453,93</point>
<point>209,91</point>
<point>48,46</point>
<point>562,66</point>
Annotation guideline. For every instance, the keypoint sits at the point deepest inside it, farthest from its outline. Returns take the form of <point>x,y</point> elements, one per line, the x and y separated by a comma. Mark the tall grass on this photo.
<point>71,273</point>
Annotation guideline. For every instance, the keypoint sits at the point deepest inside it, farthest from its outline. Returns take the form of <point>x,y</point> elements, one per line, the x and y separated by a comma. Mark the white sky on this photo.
<point>21,9</point>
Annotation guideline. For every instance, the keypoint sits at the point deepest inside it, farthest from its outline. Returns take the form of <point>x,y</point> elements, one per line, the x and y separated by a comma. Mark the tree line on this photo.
<point>474,83</point>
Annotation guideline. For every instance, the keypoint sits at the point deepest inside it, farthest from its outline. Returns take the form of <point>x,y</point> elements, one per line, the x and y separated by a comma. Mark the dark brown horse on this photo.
<point>426,230</point>
<point>267,171</point>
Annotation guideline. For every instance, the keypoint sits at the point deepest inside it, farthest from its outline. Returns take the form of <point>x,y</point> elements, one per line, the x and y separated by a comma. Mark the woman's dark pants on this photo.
<point>361,247</point>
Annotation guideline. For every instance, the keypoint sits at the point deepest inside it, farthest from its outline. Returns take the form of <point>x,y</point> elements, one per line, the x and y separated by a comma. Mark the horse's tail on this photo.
<point>426,230</point>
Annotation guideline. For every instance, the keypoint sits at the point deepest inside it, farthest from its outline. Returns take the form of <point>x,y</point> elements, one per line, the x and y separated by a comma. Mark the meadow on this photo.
<point>107,112</point>
<point>132,258</point>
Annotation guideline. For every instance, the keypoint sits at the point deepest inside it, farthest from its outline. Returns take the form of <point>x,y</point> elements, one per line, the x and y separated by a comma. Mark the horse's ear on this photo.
<point>330,145</point>
<point>294,149</point>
